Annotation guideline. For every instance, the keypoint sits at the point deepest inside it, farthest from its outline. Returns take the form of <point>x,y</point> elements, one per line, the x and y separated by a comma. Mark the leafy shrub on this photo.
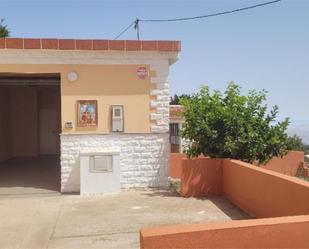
<point>231,125</point>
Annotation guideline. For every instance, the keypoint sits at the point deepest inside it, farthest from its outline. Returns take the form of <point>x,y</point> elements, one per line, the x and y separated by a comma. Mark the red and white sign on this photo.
<point>142,72</point>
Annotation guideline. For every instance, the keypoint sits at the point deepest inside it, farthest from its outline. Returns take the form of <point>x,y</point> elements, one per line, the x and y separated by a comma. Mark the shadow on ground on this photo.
<point>35,175</point>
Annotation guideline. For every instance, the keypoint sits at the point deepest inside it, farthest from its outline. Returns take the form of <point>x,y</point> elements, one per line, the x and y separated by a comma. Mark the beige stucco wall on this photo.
<point>108,84</point>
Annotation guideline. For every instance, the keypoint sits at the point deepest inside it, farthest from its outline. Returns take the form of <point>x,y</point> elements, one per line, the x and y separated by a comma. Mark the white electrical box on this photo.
<point>117,118</point>
<point>99,172</point>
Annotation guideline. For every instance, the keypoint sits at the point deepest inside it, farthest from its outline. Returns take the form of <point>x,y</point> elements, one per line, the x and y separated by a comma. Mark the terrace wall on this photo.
<point>201,177</point>
<point>175,162</point>
<point>263,193</point>
<point>287,164</point>
<point>260,192</point>
<point>286,232</point>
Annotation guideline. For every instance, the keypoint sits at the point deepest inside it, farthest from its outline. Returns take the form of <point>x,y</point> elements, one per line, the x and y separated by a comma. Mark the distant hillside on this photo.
<point>301,129</point>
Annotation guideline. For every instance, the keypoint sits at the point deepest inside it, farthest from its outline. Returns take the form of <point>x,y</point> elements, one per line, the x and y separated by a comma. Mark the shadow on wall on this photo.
<point>201,177</point>
<point>70,166</point>
<point>70,174</point>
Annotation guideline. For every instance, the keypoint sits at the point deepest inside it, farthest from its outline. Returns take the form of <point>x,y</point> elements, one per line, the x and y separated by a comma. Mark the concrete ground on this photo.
<point>106,221</point>
<point>34,215</point>
<point>36,175</point>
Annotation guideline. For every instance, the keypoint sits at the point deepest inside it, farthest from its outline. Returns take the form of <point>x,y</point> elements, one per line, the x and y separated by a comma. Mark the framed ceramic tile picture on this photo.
<point>87,113</point>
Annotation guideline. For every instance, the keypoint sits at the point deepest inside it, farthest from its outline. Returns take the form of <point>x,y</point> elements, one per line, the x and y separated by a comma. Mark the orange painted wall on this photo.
<point>175,164</point>
<point>283,232</point>
<point>201,177</point>
<point>257,191</point>
<point>288,164</point>
<point>282,200</point>
<point>264,193</point>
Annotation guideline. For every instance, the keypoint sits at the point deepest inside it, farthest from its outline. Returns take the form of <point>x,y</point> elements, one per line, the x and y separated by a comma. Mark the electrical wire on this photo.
<point>122,32</point>
<point>137,20</point>
<point>209,15</point>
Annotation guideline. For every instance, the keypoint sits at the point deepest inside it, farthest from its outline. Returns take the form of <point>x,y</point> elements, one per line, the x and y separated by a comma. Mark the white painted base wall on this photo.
<point>97,181</point>
<point>143,158</point>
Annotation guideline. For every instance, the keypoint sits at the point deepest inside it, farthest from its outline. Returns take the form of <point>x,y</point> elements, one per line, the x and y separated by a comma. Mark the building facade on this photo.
<point>108,101</point>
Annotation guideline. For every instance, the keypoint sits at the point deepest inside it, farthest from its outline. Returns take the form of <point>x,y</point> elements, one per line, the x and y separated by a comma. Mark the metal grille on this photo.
<point>174,137</point>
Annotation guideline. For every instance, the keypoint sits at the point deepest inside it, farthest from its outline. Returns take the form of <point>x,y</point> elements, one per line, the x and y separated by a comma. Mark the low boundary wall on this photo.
<point>281,201</point>
<point>264,193</point>
<point>287,164</point>
<point>285,232</point>
<point>175,169</point>
<point>201,177</point>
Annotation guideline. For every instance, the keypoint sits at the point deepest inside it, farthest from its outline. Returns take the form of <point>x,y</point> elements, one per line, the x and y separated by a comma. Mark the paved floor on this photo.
<point>108,221</point>
<point>36,175</point>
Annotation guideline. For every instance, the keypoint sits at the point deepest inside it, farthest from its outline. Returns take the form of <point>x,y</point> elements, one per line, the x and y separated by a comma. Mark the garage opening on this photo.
<point>30,118</point>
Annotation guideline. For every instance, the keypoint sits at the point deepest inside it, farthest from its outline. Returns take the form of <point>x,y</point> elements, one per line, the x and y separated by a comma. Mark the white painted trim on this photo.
<point>18,56</point>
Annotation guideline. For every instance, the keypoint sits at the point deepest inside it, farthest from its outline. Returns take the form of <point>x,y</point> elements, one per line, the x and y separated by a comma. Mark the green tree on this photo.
<point>175,100</point>
<point>4,31</point>
<point>231,125</point>
<point>296,143</point>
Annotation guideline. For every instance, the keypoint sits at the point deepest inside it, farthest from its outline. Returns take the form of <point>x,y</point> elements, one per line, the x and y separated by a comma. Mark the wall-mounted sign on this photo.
<point>68,125</point>
<point>87,113</point>
<point>142,72</point>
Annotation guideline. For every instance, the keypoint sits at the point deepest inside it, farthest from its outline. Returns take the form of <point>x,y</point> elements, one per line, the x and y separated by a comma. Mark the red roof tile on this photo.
<point>72,44</point>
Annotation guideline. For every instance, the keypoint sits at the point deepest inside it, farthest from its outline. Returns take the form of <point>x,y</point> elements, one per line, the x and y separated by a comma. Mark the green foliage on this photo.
<point>174,186</point>
<point>4,31</point>
<point>231,125</point>
<point>296,143</point>
<point>176,99</point>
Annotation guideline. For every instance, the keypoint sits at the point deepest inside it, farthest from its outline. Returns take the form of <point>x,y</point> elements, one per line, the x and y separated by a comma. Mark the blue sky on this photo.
<point>264,48</point>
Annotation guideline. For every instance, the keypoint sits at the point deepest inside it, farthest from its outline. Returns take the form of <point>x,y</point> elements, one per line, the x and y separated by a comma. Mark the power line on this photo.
<point>122,32</point>
<point>137,20</point>
<point>209,15</point>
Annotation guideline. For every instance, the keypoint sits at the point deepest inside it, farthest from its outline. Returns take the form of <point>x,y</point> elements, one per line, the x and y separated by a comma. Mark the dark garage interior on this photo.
<point>29,133</point>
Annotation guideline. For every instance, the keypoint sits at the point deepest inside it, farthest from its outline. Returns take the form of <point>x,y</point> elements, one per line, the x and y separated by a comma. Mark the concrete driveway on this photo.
<point>109,221</point>
<point>32,175</point>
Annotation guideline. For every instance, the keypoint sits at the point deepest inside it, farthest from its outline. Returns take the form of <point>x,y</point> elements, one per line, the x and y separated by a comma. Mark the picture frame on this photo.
<point>87,113</point>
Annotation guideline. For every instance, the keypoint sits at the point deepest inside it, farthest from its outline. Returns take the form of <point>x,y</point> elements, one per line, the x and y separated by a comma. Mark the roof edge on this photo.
<point>90,44</point>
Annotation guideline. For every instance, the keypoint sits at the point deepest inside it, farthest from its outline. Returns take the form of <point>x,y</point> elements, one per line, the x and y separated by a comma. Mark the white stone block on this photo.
<point>142,157</point>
